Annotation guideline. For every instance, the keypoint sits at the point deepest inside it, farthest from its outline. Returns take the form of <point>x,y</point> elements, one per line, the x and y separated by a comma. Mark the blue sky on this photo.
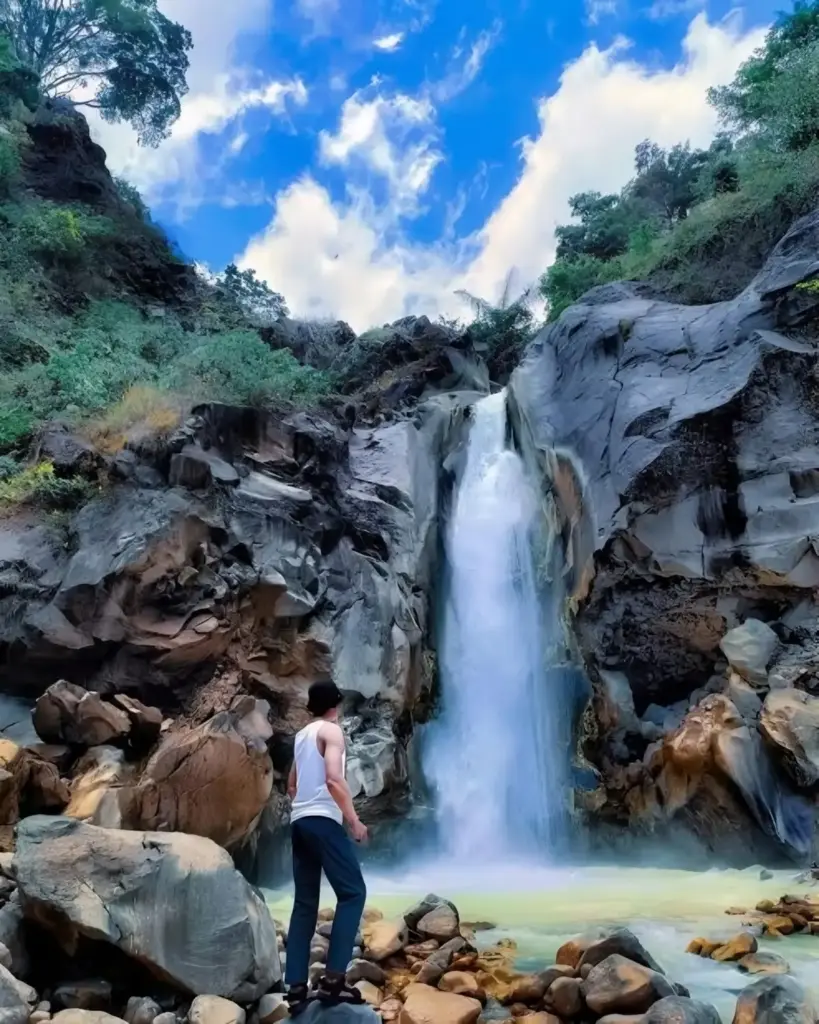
<point>370,157</point>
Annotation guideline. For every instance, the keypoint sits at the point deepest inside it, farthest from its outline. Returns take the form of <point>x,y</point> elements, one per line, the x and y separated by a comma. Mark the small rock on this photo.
<point>462,983</point>
<point>39,1017</point>
<point>777,926</point>
<point>765,906</point>
<point>166,1018</point>
<point>441,924</point>
<point>425,1005</point>
<point>215,1010</point>
<point>272,1008</point>
<point>764,963</point>
<point>702,947</point>
<point>749,649</point>
<point>93,994</point>
<point>565,998</point>
<point>736,948</point>
<point>142,1010</point>
<point>366,970</point>
<point>528,990</point>
<point>373,996</point>
<point>557,971</point>
<point>371,914</point>
<point>327,914</point>
<point>390,1009</point>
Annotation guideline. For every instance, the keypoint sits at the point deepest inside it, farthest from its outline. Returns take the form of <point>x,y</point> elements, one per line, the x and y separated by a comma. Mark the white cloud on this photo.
<point>391,136</point>
<point>349,259</point>
<point>660,10</point>
<point>463,74</point>
<point>598,9</point>
<point>390,43</point>
<point>320,13</point>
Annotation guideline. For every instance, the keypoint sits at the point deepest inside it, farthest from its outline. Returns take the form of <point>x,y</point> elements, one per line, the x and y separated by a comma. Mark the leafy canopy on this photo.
<point>123,57</point>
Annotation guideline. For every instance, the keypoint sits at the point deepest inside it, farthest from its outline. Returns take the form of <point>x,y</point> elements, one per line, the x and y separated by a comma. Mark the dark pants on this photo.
<point>322,844</point>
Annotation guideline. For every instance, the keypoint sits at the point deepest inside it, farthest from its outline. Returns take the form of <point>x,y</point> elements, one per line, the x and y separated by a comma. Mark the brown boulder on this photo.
<point>462,983</point>
<point>441,924</point>
<point>70,714</point>
<point>736,948</point>
<point>557,971</point>
<point>214,780</point>
<point>571,952</point>
<point>621,942</point>
<point>383,939</point>
<point>29,784</point>
<point>528,990</point>
<point>618,985</point>
<point>775,1000</point>
<point>425,1005</point>
<point>777,926</point>
<point>681,1010</point>
<point>703,947</point>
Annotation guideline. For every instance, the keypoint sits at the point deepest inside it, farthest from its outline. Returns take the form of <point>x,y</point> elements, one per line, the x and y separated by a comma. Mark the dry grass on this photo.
<point>142,411</point>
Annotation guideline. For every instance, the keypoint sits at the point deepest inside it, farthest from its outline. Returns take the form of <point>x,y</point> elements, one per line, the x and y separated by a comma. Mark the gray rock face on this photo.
<point>174,902</point>
<point>680,446</point>
<point>16,999</point>
<point>774,1000</point>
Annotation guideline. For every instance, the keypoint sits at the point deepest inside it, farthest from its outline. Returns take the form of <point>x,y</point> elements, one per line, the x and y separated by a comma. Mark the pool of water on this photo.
<point>539,908</point>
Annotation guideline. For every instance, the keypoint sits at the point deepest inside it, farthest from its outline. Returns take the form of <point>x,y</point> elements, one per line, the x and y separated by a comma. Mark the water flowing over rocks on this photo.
<point>680,447</point>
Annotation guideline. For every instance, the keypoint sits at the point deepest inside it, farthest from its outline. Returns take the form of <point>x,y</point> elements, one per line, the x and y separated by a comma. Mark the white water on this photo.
<point>495,756</point>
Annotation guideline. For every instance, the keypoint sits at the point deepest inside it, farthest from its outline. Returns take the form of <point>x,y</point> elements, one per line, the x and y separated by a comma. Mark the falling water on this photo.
<point>497,754</point>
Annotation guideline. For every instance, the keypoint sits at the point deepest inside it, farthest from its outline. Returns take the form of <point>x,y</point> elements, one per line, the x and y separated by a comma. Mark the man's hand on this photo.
<point>358,830</point>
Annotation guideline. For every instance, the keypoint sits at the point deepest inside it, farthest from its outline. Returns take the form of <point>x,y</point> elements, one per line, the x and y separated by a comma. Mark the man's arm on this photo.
<point>333,739</point>
<point>292,782</point>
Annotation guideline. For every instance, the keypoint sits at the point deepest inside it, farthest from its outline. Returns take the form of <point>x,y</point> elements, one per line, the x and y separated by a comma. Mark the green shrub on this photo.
<point>566,280</point>
<point>9,161</point>
<point>39,486</point>
<point>54,233</point>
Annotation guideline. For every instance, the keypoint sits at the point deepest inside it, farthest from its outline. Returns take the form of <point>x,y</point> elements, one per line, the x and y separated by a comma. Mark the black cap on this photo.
<point>323,697</point>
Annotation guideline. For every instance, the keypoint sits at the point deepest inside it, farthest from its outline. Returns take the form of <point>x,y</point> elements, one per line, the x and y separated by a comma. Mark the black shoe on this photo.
<point>298,998</point>
<point>333,990</point>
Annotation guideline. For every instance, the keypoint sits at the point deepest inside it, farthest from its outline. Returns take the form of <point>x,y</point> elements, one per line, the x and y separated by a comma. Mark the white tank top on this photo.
<point>312,795</point>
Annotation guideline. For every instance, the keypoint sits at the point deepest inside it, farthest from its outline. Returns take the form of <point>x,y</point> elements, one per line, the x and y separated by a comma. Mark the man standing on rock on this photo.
<point>321,803</point>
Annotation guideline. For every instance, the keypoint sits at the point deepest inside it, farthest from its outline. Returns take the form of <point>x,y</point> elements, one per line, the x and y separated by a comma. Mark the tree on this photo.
<point>253,297</point>
<point>666,180</point>
<point>606,223</point>
<point>501,332</point>
<point>775,93</point>
<point>123,57</point>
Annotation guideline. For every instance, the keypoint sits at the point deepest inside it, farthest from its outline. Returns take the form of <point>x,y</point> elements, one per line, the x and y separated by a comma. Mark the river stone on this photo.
<point>764,963</point>
<point>790,723</point>
<point>441,924</point>
<point>571,952</point>
<point>622,942</point>
<point>366,970</point>
<point>774,1000</point>
<point>152,895</point>
<point>462,983</point>
<point>736,948</point>
<point>426,906</point>
<point>425,1005</point>
<point>215,1010</point>
<point>681,1010</point>
<point>619,985</point>
<point>565,997</point>
<point>85,1017</point>
<point>142,1010</point>
<point>383,939</point>
<point>437,962</point>
<point>749,649</point>
<point>372,994</point>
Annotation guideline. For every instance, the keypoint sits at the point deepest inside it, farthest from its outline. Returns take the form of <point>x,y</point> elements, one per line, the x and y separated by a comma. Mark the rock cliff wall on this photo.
<point>681,446</point>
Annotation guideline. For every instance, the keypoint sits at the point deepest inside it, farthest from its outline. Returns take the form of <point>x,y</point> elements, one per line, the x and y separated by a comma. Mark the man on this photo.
<point>321,803</point>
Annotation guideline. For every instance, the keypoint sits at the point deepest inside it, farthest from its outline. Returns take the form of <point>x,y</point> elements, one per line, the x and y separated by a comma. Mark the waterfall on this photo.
<point>497,755</point>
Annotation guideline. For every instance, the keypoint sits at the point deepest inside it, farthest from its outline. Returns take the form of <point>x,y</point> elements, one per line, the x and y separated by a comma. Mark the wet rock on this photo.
<point>736,948</point>
<point>774,1001</point>
<point>571,952</point>
<point>215,1010</point>
<point>565,998</point>
<point>528,990</point>
<point>557,971</point>
<point>703,947</point>
<point>93,994</point>
<point>764,963</point>
<point>425,1005</point>
<point>749,649</point>
<point>67,713</point>
<point>115,886</point>
<point>790,724</point>
<point>622,942</point>
<point>681,1010</point>
<point>197,469</point>
<point>618,985</point>
<point>142,1010</point>
<point>272,1008</point>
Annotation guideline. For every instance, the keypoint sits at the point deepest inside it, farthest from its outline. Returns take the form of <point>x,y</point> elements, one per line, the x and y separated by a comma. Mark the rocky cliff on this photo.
<point>681,447</point>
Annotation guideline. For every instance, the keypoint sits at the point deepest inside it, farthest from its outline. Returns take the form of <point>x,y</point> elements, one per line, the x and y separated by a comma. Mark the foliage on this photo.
<point>131,195</point>
<point>37,484</point>
<point>566,280</point>
<point>125,56</point>
<point>251,298</point>
<point>775,93</point>
<point>501,332</point>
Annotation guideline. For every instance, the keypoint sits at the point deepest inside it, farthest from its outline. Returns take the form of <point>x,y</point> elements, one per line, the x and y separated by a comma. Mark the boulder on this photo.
<point>736,948</point>
<point>680,1010</point>
<point>371,994</point>
<point>565,997</point>
<point>196,469</point>
<point>764,963</point>
<point>215,1010</point>
<point>366,970</point>
<point>425,1005</point>
<point>622,942</point>
<point>618,985</point>
<point>86,1017</point>
<point>214,780</point>
<point>142,1010</point>
<point>790,724</point>
<point>775,1000</point>
<point>272,1008</point>
<point>153,896</point>
<point>551,974</point>
<point>67,713</point>
<point>383,939</point>
<point>571,952</point>
<point>749,649</point>
<point>92,994</point>
<point>462,983</point>
<point>16,999</point>
<point>438,962</point>
<point>441,924</point>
